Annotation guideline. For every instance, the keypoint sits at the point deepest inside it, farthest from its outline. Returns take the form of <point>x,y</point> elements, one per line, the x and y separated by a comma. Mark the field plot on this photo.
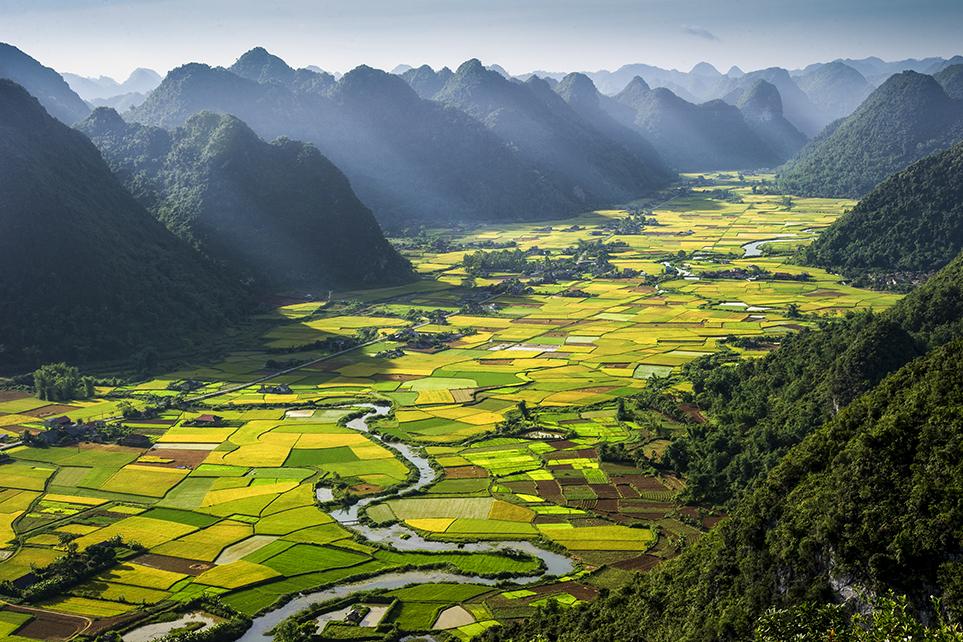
<point>222,496</point>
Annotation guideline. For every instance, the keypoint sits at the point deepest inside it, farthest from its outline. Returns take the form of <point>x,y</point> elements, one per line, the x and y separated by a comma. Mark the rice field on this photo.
<point>230,509</point>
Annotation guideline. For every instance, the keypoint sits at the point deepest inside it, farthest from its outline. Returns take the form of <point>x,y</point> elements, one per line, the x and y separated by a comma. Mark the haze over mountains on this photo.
<point>279,214</point>
<point>409,158</point>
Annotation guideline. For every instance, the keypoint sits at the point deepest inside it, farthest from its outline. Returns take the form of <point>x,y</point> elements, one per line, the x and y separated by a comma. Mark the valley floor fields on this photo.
<point>227,506</point>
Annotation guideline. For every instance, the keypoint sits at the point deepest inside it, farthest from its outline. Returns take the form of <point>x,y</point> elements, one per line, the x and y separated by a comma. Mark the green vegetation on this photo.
<point>808,530</point>
<point>763,407</point>
<point>278,215</point>
<point>60,382</point>
<point>908,117</point>
<point>910,223</point>
<point>87,272</point>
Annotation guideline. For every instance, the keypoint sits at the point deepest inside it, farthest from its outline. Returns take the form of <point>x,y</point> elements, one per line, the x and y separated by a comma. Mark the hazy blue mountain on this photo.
<point>761,106</point>
<point>951,79</point>
<point>426,81</point>
<point>583,97</point>
<point>907,117</point>
<point>713,135</point>
<point>279,215</point>
<point>409,159</point>
<point>121,102</point>
<point>532,119</point>
<point>836,89</point>
<point>260,66</point>
<point>141,81</point>
<point>797,107</point>
<point>45,84</point>
<point>87,271</point>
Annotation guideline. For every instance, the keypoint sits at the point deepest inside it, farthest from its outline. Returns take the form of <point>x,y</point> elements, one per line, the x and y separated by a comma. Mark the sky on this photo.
<point>112,37</point>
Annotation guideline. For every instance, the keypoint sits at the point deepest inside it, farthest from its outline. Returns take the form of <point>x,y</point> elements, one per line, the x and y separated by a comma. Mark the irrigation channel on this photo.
<point>400,538</point>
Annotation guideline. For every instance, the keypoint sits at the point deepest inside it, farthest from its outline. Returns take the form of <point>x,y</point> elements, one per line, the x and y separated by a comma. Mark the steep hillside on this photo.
<point>411,160</point>
<point>88,273</point>
<point>279,214</point>
<point>951,79</point>
<point>761,408</point>
<point>761,106</point>
<point>532,119</point>
<point>43,83</point>
<point>905,119</point>
<point>690,137</point>
<point>911,222</point>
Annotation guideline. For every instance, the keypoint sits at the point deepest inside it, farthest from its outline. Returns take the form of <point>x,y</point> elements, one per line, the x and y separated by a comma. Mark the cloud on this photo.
<point>699,32</point>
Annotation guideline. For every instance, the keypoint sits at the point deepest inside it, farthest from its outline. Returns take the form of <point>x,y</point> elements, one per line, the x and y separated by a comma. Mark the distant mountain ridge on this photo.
<point>713,135</point>
<point>88,273</point>
<point>545,130</point>
<point>279,215</point>
<point>141,81</point>
<point>409,158</point>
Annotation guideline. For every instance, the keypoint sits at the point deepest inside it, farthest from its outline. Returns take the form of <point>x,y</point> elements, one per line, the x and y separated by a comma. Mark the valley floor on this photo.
<point>226,505</point>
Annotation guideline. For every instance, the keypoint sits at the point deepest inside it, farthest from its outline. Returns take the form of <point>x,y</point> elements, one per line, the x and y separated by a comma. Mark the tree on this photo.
<point>61,382</point>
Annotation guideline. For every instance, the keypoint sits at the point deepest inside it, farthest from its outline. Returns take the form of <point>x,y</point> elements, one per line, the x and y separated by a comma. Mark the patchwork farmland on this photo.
<point>541,403</point>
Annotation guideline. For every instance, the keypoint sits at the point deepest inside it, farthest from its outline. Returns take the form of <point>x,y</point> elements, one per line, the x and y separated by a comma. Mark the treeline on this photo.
<point>71,569</point>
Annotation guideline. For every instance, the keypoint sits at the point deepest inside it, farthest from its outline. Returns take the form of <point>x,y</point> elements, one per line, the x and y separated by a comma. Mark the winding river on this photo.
<point>400,538</point>
<point>754,248</point>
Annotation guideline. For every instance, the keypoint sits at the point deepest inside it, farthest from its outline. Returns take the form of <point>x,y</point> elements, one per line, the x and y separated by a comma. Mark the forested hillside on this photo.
<point>87,272</point>
<point>866,504</point>
<point>910,116</point>
<point>278,214</point>
<point>762,407</point>
<point>911,222</point>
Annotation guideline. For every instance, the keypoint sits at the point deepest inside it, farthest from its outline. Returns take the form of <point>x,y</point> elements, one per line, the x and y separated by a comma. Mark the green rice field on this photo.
<point>230,510</point>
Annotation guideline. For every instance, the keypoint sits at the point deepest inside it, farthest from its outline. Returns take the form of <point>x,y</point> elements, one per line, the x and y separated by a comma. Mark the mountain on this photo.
<point>42,82</point>
<point>261,67</point>
<point>951,79</point>
<point>88,273</point>
<point>411,160</point>
<point>141,81</point>
<point>908,117</point>
<point>121,102</point>
<point>690,137</point>
<point>426,81</point>
<point>836,89</point>
<point>912,221</point>
<point>798,109</point>
<point>532,119</point>
<point>277,214</point>
<point>581,95</point>
<point>761,106</point>
<point>866,503</point>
